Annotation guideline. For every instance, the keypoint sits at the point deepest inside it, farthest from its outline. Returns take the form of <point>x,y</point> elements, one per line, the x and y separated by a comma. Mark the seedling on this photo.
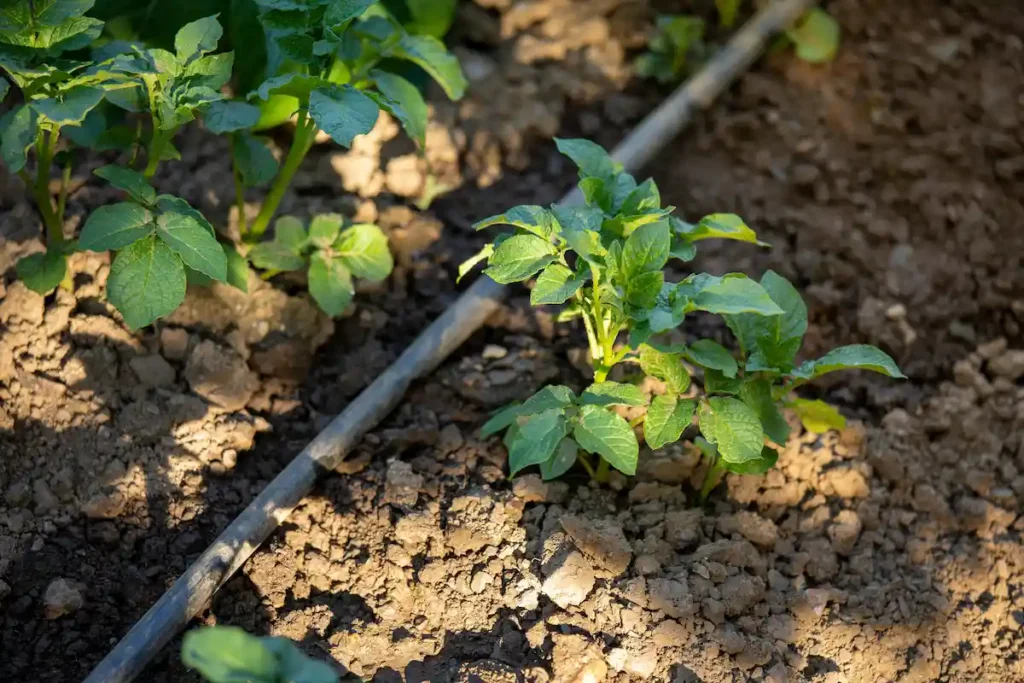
<point>815,37</point>
<point>227,654</point>
<point>606,263</point>
<point>677,44</point>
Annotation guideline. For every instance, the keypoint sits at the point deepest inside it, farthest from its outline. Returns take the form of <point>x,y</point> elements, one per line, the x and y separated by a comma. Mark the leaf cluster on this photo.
<point>677,44</point>
<point>227,654</point>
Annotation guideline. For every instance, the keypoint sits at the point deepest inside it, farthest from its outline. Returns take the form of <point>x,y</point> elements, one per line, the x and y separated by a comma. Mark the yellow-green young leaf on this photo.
<point>757,393</point>
<point>211,71</point>
<point>342,112</point>
<point>276,255</point>
<point>538,438</point>
<point>518,258</point>
<point>324,228</point>
<point>227,654</point>
<point>476,258</point>
<point>135,184</point>
<point>642,289</point>
<point>555,285</point>
<point>147,281</point>
<point>432,56</point>
<point>295,666</point>
<point>403,100</point>
<point>601,431</point>
<point>363,249</point>
<point>595,193</point>
<point>729,294</point>
<point>817,416</point>
<point>228,116</point>
<point>289,231</point>
<point>562,460</point>
<point>70,107</point>
<point>772,342</point>
<point>589,157</point>
<point>667,367</point>
<point>196,247</point>
<point>727,10</point>
<point>726,226</point>
<point>732,427</point>
<point>646,250</point>
<point>532,218</point>
<point>330,284</point>
<point>197,38</point>
<point>253,159</point>
<point>710,354</point>
<point>551,396</point>
<point>238,268</point>
<point>42,272</point>
<point>115,226</point>
<point>17,136</point>
<point>853,357</point>
<point>816,37</point>
<point>666,419</point>
<point>644,198</point>
<point>759,465</point>
<point>612,393</point>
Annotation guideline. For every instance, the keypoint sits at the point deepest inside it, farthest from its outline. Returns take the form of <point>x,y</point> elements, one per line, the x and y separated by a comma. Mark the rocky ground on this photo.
<point>890,186</point>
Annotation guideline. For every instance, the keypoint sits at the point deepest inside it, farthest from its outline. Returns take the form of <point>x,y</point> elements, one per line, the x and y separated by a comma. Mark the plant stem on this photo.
<point>62,198</point>
<point>239,189</point>
<point>711,479</point>
<point>587,466</point>
<point>305,132</point>
<point>46,145</point>
<point>603,470</point>
<point>156,149</point>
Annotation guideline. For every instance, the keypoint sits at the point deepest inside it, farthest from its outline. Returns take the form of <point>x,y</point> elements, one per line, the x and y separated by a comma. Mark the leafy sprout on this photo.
<point>677,44</point>
<point>227,654</point>
<point>606,263</point>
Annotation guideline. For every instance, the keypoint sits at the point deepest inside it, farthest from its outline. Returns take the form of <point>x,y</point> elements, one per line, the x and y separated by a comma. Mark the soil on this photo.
<point>889,184</point>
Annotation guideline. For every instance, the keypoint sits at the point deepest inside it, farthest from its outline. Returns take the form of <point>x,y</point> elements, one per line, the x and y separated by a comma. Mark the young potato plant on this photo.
<point>676,46</point>
<point>606,263</point>
<point>227,654</point>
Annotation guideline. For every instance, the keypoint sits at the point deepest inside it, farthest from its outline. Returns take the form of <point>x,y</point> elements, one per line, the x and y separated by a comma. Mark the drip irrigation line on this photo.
<point>194,589</point>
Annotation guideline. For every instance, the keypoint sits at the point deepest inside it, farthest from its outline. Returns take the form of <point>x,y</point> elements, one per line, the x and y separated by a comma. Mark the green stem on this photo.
<point>46,146</point>
<point>586,465</point>
<point>157,145</point>
<point>603,470</point>
<point>711,479</point>
<point>305,132</point>
<point>62,198</point>
<point>239,189</point>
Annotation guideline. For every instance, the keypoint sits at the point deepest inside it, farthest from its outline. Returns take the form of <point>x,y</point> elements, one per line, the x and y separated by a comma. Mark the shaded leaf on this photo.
<point>772,342</point>
<point>733,427</point>
<point>715,382</point>
<point>228,116</point>
<point>432,56</point>
<point>710,354</point>
<point>403,100</point>
<point>330,284</point>
<point>532,218</point>
<point>612,393</point>
<point>562,460</point>
<point>666,419</point>
<point>115,226</point>
<point>70,107</point>
<point>147,281</point>
<point>197,248</point>
<point>42,272</point>
<point>759,465</point>
<point>255,162</point>
<point>135,184</point>
<point>538,438</point>
<point>17,135</point>
<point>238,268</point>
<point>342,112</point>
<point>757,393</point>
<point>292,84</point>
<point>276,255</point>
<point>500,420</point>
<point>551,396</point>
<point>646,250</point>
<point>555,285</point>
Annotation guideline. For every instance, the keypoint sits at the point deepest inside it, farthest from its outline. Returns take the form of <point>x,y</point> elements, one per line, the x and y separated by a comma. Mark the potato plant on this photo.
<point>334,50</point>
<point>606,263</point>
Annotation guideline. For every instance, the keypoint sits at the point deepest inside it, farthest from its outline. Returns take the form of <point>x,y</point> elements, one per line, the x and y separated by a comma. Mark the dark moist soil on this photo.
<point>889,185</point>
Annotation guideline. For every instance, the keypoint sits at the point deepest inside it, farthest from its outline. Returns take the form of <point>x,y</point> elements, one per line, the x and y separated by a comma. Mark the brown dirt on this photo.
<point>889,184</point>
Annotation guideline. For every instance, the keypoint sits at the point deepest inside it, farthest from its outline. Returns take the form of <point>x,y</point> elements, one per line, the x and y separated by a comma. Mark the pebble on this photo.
<point>480,582</point>
<point>751,526</point>
<point>494,352</point>
<point>61,598</point>
<point>571,582</point>
<point>153,371</point>
<point>640,664</point>
<point>1009,364</point>
<point>105,505</point>
<point>174,343</point>
<point>220,376</point>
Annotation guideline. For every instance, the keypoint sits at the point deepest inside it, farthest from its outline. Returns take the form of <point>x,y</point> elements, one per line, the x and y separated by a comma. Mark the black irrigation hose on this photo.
<point>193,590</point>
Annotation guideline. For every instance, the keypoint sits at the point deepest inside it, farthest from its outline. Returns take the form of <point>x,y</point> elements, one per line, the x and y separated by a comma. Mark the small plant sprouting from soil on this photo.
<point>332,51</point>
<point>606,263</point>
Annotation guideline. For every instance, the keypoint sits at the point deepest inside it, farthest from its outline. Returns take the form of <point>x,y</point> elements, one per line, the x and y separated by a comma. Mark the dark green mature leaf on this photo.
<point>596,193</point>
<point>772,342</point>
<point>562,461</point>
<point>5,86</point>
<point>42,272</point>
<point>733,427</point>
<point>168,203</point>
<point>255,162</point>
<point>666,419</point>
<point>190,241</point>
<point>330,284</point>
<point>228,653</point>
<point>276,255</point>
<point>729,294</point>
<point>551,396</point>
<point>70,107</point>
<point>197,38</point>
<point>757,393</point>
<point>296,666</point>
<point>760,465</point>
<point>580,226</point>
<point>211,71</point>
<point>532,218</point>
<point>518,258</point>
<point>135,184</point>
<point>147,281</point>
<point>17,135</point>
<point>717,383</point>
<point>363,248</point>
<point>432,56</point>
<point>500,420</point>
<point>555,285</point>
<point>588,156</point>
<point>324,229</point>
<point>238,268</point>
<point>612,393</point>
<point>291,84</point>
<point>601,431</point>
<point>853,357</point>
<point>646,250</point>
<point>115,226</point>
<point>476,258</point>
<point>403,100</point>
<point>668,367</point>
<point>73,34</point>
<point>816,36</point>
<point>537,440</point>
<point>710,354</point>
<point>727,226</point>
<point>342,112</point>
<point>340,12</point>
<point>817,416</point>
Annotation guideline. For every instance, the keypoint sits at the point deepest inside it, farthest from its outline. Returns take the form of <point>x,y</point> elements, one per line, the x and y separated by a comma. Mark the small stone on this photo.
<point>61,598</point>
<point>741,592</point>
<point>153,371</point>
<point>107,504</point>
<point>751,526</point>
<point>730,639</point>
<point>714,611</point>
<point>848,483</point>
<point>777,674</point>
<point>571,582</point>
<point>732,553</point>
<point>1009,364</point>
<point>530,488</point>
<point>990,350</point>
<point>845,531</point>
<point>43,497</point>
<point>450,439</point>
<point>402,485</point>
<point>480,582</point>
<point>682,527</point>
<point>220,376</point>
<point>601,541</point>
<point>494,352</point>
<point>672,597</point>
<point>17,494</point>
<point>5,589</point>
<point>822,563</point>
<point>174,343</point>
<point>640,664</point>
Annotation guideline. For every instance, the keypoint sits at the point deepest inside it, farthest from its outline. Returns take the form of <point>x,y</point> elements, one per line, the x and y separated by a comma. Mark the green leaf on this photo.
<point>715,382</point>
<point>5,86</point>
<point>534,219</point>
<point>115,226</point>
<point>324,229</point>
<point>538,438</point>
<point>757,393</point>
<point>854,357</point>
<point>555,285</point>
<point>772,341</point>
<point>135,184</point>
<point>727,10</point>
<point>168,203</point>
<point>212,71</point>
<point>228,116</point>
<point>612,393</point>
<point>227,654</point>
<point>197,38</point>
<point>476,258</point>
<point>289,231</point>
<point>726,226</point>
<point>642,289</point>
<point>710,354</point>
<point>668,367</point>
<point>196,247</point>
<point>760,465</point>
<point>342,112</point>
<point>580,227</point>
<point>666,419</point>
<point>295,666</point>
<point>403,100</point>
<point>276,255</point>
<point>595,193</point>
<point>817,416</point>
<point>733,427</point>
<point>562,460</point>
<point>551,396</point>
<point>601,431</point>
<point>432,56</point>
<point>816,37</point>
<point>238,268</point>
<point>729,294</point>
<point>518,258</point>
<point>42,272</point>
<point>682,250</point>
<point>330,284</point>
<point>147,281</point>
<point>500,420</point>
<point>70,107</point>
<point>17,135</point>
<point>646,250</point>
<point>342,11</point>
<point>644,198</point>
<point>363,248</point>
<point>588,156</point>
<point>291,84</point>
<point>255,162</point>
